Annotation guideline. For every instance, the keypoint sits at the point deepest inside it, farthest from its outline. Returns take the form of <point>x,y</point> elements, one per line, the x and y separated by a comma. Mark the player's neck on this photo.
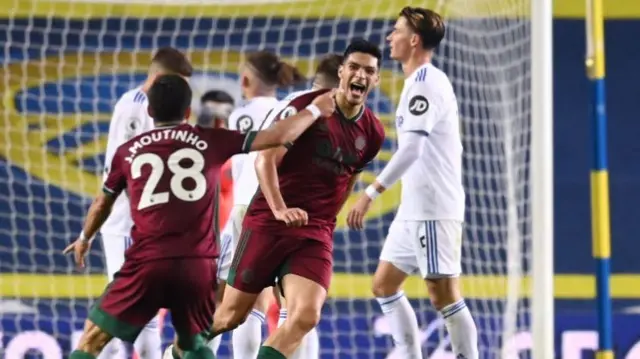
<point>349,111</point>
<point>414,62</point>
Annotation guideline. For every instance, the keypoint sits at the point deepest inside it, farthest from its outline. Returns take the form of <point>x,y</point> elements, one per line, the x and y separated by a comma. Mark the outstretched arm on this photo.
<point>289,129</point>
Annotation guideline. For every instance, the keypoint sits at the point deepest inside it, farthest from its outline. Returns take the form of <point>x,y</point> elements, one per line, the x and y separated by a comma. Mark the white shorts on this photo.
<point>114,247</point>
<point>430,247</point>
<point>229,240</point>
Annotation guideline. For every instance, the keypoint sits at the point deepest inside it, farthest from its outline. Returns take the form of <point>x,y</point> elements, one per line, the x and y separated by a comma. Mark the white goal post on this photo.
<point>65,63</point>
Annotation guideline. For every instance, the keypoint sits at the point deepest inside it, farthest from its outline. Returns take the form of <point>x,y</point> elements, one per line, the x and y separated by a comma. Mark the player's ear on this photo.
<point>415,40</point>
<point>340,71</point>
<point>376,79</point>
<point>187,113</point>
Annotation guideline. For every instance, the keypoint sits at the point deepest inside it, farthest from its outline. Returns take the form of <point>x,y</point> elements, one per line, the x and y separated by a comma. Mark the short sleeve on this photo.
<point>116,180</point>
<point>421,107</point>
<point>126,123</point>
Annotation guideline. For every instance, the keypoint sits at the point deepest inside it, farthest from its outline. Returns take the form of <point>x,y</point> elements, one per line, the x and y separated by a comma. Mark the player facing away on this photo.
<point>170,175</point>
<point>262,73</point>
<point>426,233</point>
<point>287,232</point>
<point>130,118</point>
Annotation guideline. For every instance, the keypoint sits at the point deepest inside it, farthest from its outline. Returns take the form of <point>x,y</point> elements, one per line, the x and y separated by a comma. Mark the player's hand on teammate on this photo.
<point>355,218</point>
<point>79,249</point>
<point>326,103</point>
<point>292,217</point>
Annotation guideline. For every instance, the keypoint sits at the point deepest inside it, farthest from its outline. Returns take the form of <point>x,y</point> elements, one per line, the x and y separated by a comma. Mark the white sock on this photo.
<point>309,347</point>
<point>148,345</point>
<point>462,330</point>
<point>247,338</point>
<point>214,344</point>
<point>113,350</point>
<point>404,325</point>
<point>283,317</point>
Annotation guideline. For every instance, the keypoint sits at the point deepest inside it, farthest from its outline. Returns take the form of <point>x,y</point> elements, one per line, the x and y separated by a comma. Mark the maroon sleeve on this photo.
<point>226,143</point>
<point>374,144</point>
<point>116,180</point>
<point>298,104</point>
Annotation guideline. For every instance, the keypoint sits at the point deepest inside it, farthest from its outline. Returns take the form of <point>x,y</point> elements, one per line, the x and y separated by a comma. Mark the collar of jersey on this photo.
<point>352,119</point>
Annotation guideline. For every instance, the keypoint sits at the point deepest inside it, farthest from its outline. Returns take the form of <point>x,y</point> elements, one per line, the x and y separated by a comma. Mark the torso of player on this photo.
<point>130,119</point>
<point>432,187</point>
<point>315,172</point>
<point>171,175</point>
<point>248,117</point>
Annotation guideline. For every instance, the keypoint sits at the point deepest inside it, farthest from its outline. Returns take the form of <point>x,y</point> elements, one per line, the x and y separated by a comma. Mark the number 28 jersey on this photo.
<point>170,175</point>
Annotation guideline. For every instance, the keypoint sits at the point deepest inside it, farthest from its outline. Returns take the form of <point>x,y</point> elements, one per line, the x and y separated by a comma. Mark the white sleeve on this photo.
<point>404,157</point>
<point>125,124</point>
<point>422,110</point>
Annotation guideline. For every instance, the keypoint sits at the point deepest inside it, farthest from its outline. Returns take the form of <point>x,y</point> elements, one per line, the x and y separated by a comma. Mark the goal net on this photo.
<point>65,63</point>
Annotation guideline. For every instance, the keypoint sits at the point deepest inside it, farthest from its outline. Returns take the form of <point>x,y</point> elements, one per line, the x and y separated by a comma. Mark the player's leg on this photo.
<point>305,278</point>
<point>148,345</point>
<point>224,264</point>
<point>440,266</point>
<point>309,348</point>
<point>113,247</point>
<point>254,268</point>
<point>247,337</point>
<point>397,260</point>
<point>114,317</point>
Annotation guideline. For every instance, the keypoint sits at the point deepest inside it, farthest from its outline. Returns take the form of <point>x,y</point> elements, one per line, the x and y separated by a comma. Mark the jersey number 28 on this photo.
<point>178,175</point>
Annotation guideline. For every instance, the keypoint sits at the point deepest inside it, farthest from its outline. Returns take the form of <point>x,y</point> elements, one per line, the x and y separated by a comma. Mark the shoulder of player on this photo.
<point>304,99</point>
<point>430,80</point>
<point>132,98</point>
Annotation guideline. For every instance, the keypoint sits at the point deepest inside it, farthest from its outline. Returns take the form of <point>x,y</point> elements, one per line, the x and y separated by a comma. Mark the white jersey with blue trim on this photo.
<point>130,118</point>
<point>432,187</point>
<point>247,117</point>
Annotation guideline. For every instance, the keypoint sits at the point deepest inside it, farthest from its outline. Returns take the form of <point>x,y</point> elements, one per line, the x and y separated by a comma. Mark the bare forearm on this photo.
<point>97,215</point>
<point>267,172</point>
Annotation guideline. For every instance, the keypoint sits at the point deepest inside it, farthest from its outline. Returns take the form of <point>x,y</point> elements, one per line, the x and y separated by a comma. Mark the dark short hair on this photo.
<point>169,98</point>
<point>273,71</point>
<point>328,69</point>
<point>217,96</point>
<point>427,24</point>
<point>363,46</point>
<point>173,61</point>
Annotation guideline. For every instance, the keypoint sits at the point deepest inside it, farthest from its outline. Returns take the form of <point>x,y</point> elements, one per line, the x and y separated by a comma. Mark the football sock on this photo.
<point>203,352</point>
<point>214,343</point>
<point>462,329</point>
<point>309,347</point>
<point>77,354</point>
<point>403,323</point>
<point>111,350</point>
<point>270,353</point>
<point>148,345</point>
<point>247,337</point>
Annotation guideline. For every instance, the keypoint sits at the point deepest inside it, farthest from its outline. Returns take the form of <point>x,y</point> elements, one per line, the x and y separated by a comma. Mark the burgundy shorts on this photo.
<point>184,286</point>
<point>260,258</point>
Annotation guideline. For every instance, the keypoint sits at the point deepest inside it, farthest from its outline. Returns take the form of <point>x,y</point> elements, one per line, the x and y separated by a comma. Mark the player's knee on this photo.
<point>382,288</point>
<point>443,291</point>
<point>305,319</point>
<point>231,317</point>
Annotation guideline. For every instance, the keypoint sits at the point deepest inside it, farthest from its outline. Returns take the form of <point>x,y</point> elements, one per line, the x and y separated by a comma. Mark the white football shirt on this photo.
<point>247,183</point>
<point>247,117</point>
<point>130,118</point>
<point>432,186</point>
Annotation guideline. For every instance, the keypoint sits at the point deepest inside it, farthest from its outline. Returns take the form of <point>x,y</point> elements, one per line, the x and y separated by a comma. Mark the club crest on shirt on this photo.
<point>360,143</point>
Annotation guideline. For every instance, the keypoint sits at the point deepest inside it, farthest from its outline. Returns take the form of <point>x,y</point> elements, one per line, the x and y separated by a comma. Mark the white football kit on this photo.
<point>253,116</point>
<point>426,233</point>
<point>130,118</point>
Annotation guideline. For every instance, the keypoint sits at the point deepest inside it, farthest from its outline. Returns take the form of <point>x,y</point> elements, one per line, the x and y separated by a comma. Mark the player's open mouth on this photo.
<point>357,88</point>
